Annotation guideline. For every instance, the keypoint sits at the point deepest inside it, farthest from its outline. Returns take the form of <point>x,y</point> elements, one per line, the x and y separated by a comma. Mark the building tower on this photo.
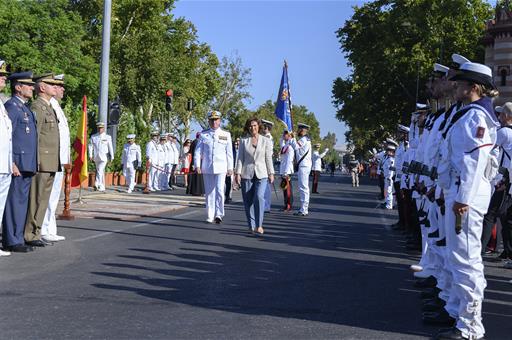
<point>498,50</point>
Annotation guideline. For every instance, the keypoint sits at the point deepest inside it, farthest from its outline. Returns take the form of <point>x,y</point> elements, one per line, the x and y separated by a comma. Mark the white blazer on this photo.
<point>5,142</point>
<point>255,161</point>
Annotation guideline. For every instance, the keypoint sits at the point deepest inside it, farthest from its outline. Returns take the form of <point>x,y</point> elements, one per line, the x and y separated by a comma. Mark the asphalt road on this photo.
<point>339,273</point>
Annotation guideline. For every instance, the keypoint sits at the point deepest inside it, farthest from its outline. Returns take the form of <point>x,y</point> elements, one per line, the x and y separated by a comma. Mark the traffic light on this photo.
<point>190,104</point>
<point>168,100</point>
<point>114,112</point>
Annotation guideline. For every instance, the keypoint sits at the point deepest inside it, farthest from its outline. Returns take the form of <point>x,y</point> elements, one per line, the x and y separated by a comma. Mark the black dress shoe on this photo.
<point>430,293</point>
<point>218,220</point>
<point>315,192</point>
<point>434,306</point>
<point>298,213</point>
<point>429,282</point>
<point>19,248</point>
<point>36,243</point>
<point>441,318</point>
<point>452,334</point>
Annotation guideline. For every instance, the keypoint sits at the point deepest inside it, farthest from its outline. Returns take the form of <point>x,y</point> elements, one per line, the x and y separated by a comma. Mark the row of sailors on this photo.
<point>163,156</point>
<point>442,170</point>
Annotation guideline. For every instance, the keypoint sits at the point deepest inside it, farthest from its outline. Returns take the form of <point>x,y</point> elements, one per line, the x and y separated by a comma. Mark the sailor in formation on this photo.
<point>302,148</point>
<point>131,161</point>
<point>101,152</point>
<point>267,128</point>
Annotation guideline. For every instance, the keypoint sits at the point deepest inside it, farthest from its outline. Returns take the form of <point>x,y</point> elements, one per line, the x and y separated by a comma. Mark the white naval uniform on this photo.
<point>131,154</point>
<point>49,226</point>
<point>214,156</point>
<point>101,151</point>
<point>287,153</point>
<point>174,160</point>
<point>268,190</point>
<point>152,157</point>
<point>5,157</point>
<point>387,168</point>
<point>317,159</point>
<point>466,169</point>
<point>302,148</point>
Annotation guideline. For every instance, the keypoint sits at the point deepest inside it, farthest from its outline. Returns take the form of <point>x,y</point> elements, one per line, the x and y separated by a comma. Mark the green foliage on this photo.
<point>388,44</point>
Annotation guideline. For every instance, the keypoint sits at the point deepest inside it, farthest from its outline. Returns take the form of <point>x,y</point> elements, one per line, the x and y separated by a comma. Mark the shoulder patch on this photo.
<point>480,131</point>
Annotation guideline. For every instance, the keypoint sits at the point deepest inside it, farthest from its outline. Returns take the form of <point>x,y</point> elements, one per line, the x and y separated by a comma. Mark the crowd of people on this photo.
<point>447,173</point>
<point>35,149</point>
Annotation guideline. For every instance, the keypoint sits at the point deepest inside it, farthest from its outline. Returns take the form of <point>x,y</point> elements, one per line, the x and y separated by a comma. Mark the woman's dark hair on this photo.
<point>248,123</point>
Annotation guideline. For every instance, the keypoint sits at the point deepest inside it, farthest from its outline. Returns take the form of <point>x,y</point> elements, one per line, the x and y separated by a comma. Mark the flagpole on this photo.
<point>289,92</point>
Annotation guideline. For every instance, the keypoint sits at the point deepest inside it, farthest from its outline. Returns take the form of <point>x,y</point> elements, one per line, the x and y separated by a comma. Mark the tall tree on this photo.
<point>391,46</point>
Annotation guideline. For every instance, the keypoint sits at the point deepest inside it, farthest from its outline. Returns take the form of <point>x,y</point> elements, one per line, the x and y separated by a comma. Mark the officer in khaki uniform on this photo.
<point>48,153</point>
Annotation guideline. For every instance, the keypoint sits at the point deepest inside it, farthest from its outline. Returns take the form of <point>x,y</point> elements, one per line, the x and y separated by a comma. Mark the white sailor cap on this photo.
<point>155,133</point>
<point>390,141</point>
<point>59,79</point>
<point>214,115</point>
<point>391,147</point>
<point>130,136</point>
<point>303,126</point>
<point>441,69</point>
<point>403,128</point>
<point>100,124</point>
<point>163,136</point>
<point>421,106</point>
<point>476,73</point>
<point>459,60</point>
<point>267,122</point>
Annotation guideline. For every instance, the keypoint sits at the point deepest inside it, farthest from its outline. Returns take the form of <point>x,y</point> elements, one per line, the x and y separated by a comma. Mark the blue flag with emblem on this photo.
<point>284,102</point>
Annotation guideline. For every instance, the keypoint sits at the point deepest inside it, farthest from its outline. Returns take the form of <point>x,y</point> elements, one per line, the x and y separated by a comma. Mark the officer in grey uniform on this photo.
<point>49,228</point>
<point>24,162</point>
<point>48,160</point>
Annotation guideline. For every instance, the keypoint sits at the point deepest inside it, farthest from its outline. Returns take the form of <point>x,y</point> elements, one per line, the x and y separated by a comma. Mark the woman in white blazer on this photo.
<point>254,169</point>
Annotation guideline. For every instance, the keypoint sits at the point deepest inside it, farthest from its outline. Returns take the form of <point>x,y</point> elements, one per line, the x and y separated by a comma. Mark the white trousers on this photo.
<point>303,177</point>
<point>5,183</point>
<point>100,174</point>
<point>130,178</point>
<point>214,187</point>
<point>163,178</point>
<point>49,226</point>
<point>465,260</point>
<point>423,204</point>
<point>153,178</point>
<point>389,193</point>
<point>268,197</point>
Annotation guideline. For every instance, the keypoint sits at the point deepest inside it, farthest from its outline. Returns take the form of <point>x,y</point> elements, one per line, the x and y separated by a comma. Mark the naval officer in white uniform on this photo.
<point>5,149</point>
<point>101,152</point>
<point>267,127</point>
<point>49,226</point>
<point>152,159</point>
<point>213,158</point>
<point>466,168</point>
<point>131,160</point>
<point>302,148</point>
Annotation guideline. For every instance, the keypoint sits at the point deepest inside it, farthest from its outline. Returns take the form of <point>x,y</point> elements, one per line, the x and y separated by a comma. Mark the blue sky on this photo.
<point>264,33</point>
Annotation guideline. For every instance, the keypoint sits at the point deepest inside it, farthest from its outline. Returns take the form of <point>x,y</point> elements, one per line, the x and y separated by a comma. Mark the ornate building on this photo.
<point>498,50</point>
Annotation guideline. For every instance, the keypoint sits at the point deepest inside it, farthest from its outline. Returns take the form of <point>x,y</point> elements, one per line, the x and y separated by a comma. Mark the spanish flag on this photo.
<point>80,172</point>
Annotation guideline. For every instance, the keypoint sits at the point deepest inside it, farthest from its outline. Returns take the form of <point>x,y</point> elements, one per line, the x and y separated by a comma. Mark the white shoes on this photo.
<point>4,253</point>
<point>129,191</point>
<point>53,238</point>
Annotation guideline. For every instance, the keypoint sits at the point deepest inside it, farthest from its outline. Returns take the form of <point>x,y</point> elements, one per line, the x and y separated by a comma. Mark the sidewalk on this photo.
<point>116,204</point>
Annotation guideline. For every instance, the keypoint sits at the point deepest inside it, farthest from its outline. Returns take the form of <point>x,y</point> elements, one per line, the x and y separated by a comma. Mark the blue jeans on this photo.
<point>253,193</point>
